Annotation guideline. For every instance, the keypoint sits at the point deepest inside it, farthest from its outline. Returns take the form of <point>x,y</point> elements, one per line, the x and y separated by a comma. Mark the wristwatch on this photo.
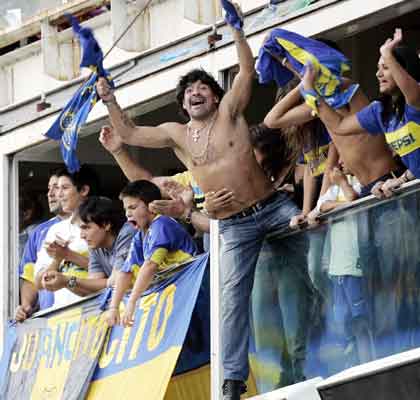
<point>72,283</point>
<point>187,218</point>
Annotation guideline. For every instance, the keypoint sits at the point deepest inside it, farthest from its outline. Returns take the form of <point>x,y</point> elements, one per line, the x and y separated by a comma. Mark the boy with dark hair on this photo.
<point>64,250</point>
<point>86,176</point>
<point>160,243</point>
<point>108,239</point>
<point>28,292</point>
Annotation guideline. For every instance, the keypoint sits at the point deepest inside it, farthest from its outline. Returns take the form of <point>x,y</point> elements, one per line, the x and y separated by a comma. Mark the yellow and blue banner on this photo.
<point>52,357</point>
<point>73,354</point>
<point>299,51</point>
<point>67,126</point>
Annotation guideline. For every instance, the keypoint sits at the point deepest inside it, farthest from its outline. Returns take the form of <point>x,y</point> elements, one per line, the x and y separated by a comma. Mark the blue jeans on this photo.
<point>351,315</point>
<point>281,303</point>
<point>241,241</point>
<point>379,237</point>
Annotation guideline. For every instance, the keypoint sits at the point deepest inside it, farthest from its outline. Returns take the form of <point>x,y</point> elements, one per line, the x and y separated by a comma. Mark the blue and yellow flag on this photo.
<point>67,126</point>
<point>71,354</point>
<point>299,51</point>
<point>233,15</point>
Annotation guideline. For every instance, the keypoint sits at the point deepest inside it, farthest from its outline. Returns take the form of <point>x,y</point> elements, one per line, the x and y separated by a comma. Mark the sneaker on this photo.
<point>232,390</point>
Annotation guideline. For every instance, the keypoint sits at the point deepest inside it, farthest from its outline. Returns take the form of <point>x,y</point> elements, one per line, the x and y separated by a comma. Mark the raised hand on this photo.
<point>309,76</point>
<point>390,44</point>
<point>110,139</point>
<point>172,208</point>
<point>104,90</point>
<point>175,190</point>
<point>234,16</point>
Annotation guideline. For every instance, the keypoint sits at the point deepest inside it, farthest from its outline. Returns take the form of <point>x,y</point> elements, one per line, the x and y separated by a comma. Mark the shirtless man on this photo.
<point>215,146</point>
<point>367,156</point>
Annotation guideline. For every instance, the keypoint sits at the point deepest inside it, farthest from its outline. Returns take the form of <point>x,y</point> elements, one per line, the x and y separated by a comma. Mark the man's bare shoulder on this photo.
<point>172,127</point>
<point>175,131</point>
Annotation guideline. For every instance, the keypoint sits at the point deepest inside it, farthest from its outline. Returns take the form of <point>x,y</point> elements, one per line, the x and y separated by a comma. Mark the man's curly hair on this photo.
<point>192,77</point>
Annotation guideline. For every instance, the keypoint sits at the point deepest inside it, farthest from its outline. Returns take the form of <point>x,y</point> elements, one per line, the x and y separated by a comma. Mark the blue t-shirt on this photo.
<point>166,243</point>
<point>27,263</point>
<point>403,136</point>
<point>316,158</point>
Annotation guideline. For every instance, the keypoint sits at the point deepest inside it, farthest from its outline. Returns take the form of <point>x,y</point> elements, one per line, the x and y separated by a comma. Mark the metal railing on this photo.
<point>335,295</point>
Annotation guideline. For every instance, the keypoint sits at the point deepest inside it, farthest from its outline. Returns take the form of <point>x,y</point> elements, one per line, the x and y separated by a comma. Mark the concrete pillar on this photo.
<point>122,14</point>
<point>204,12</point>
<point>60,53</point>
<point>5,272</point>
<point>6,95</point>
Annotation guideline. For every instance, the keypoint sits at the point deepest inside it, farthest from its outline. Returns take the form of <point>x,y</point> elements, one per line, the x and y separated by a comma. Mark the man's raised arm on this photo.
<point>144,136</point>
<point>237,99</point>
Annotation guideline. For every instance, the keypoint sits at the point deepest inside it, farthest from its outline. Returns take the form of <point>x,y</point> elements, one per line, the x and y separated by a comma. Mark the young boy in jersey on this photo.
<point>160,243</point>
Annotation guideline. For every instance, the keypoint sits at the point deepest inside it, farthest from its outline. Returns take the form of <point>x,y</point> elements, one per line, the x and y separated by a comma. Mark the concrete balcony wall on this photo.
<point>164,22</point>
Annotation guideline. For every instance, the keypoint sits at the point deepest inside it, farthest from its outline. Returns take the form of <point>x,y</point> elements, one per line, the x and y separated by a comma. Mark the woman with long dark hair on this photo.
<point>313,146</point>
<point>396,114</point>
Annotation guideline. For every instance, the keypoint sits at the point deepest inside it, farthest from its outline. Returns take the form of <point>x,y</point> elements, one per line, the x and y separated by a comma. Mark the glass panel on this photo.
<point>328,298</point>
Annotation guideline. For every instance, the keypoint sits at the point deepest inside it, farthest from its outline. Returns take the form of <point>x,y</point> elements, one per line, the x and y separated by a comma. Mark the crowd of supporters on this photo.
<point>337,154</point>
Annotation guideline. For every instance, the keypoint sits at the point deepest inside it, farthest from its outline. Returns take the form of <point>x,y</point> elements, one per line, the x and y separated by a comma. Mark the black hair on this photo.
<point>278,155</point>
<point>86,176</point>
<point>30,202</point>
<point>192,77</point>
<point>144,190</point>
<point>55,172</point>
<point>301,136</point>
<point>101,211</point>
<point>409,60</point>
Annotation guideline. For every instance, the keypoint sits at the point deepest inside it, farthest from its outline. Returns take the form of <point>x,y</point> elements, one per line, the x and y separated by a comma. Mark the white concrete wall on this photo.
<point>167,24</point>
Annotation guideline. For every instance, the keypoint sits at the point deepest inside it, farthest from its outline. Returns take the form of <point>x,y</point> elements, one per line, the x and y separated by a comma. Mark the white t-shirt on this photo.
<point>66,231</point>
<point>344,257</point>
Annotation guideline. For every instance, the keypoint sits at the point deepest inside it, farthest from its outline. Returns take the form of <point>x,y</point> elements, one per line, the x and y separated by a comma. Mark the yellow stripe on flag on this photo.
<point>147,381</point>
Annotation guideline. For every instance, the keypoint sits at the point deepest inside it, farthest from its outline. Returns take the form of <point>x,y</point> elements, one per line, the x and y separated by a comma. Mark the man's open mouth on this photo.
<point>197,102</point>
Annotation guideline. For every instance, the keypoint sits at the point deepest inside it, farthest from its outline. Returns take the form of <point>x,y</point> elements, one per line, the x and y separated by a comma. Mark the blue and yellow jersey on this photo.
<point>135,258</point>
<point>403,136</point>
<point>187,180</point>
<point>27,263</point>
<point>316,159</point>
<point>34,243</point>
<point>166,243</point>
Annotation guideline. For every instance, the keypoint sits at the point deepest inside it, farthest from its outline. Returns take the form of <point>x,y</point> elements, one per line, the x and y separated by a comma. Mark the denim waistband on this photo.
<point>393,174</point>
<point>255,207</point>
